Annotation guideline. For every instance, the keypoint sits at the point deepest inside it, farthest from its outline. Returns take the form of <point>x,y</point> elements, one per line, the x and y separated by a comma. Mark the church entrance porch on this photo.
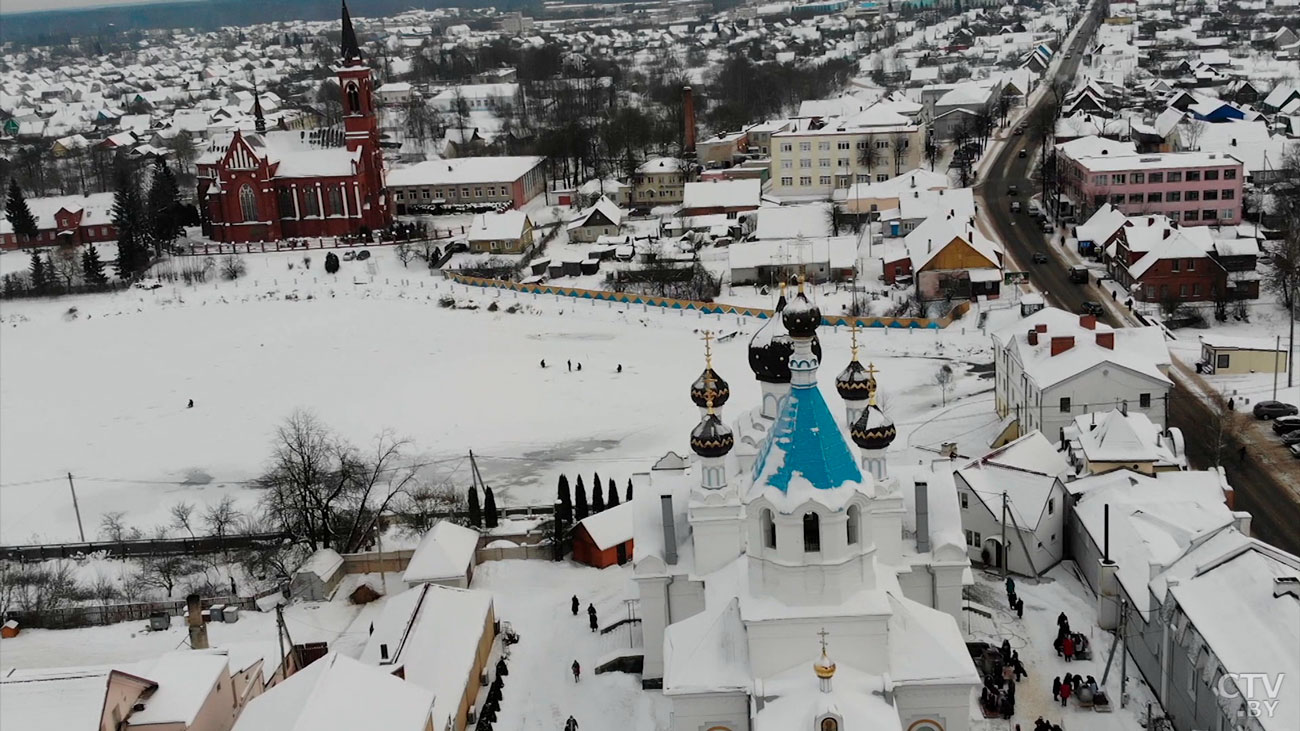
<point>991,553</point>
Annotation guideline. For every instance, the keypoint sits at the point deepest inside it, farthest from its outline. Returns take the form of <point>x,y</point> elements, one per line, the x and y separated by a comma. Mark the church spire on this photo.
<point>259,122</point>
<point>351,51</point>
<point>824,667</point>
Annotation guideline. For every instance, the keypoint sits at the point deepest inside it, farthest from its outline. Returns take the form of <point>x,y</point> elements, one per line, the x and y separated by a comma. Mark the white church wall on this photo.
<point>778,645</point>
<point>653,608</point>
<point>934,707</point>
<point>712,712</point>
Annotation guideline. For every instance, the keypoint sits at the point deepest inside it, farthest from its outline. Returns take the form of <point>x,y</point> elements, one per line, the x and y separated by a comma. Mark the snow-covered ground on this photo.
<point>102,393</point>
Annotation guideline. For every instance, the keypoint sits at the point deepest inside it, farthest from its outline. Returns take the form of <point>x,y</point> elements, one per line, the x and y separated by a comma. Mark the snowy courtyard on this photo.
<point>98,385</point>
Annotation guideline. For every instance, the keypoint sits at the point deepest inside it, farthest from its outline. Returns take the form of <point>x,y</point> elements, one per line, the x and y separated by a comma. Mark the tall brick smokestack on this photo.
<point>198,630</point>
<point>688,114</point>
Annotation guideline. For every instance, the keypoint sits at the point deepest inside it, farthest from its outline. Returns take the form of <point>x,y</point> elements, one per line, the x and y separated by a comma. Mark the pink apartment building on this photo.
<point>1192,188</point>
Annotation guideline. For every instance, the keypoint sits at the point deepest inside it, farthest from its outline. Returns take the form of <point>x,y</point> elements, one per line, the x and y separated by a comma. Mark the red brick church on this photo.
<point>268,186</point>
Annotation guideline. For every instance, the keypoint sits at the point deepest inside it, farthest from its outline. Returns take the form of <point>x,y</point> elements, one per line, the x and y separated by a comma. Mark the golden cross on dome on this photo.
<point>708,369</point>
<point>871,378</point>
<point>801,279</point>
<point>853,333</point>
<point>708,348</point>
<point>822,634</point>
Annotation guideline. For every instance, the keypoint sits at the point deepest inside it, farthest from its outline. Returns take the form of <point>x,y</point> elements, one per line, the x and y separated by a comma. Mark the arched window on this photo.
<point>769,529</point>
<point>311,204</point>
<point>830,724</point>
<point>812,533</point>
<point>248,203</point>
<point>353,96</point>
<point>854,523</point>
<point>335,195</point>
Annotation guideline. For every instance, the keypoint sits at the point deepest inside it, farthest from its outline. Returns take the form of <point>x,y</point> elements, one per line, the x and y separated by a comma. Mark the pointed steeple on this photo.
<point>259,122</point>
<point>351,51</point>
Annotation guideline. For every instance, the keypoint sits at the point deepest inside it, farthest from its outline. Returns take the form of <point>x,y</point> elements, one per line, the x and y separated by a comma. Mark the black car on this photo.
<point>1291,438</point>
<point>1023,153</point>
<point>1091,307</point>
<point>1274,409</point>
<point>1040,257</point>
<point>1079,275</point>
<point>1011,190</point>
<point>1284,424</point>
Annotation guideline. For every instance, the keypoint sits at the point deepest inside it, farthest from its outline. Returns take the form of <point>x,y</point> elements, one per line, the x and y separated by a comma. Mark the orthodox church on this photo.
<point>266,186</point>
<point>777,537</point>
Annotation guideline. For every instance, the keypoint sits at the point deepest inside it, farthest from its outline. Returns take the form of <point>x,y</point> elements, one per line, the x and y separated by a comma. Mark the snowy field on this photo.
<point>102,393</point>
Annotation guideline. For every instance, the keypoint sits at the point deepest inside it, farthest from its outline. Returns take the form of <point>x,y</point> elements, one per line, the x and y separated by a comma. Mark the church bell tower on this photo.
<point>361,127</point>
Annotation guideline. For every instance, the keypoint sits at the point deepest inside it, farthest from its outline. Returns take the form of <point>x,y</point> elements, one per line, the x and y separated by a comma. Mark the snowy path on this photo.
<point>540,693</point>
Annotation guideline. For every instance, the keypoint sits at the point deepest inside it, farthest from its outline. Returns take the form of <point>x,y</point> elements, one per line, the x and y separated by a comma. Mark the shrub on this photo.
<point>331,263</point>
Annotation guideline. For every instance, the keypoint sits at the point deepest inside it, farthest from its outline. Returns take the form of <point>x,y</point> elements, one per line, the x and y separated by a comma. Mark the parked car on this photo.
<point>1019,130</point>
<point>1295,450</point>
<point>1291,439</point>
<point>1079,275</point>
<point>1284,424</point>
<point>1040,257</point>
<point>1015,206</point>
<point>1091,307</point>
<point>1274,409</point>
<point>1046,226</point>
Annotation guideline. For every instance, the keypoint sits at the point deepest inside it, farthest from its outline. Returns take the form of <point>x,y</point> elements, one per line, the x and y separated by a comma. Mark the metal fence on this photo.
<point>143,547</point>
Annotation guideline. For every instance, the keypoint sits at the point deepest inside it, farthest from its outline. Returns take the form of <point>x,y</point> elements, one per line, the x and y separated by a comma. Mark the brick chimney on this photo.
<point>1088,322</point>
<point>1106,340</point>
<point>1033,337</point>
<point>1041,327</point>
<point>1062,343</point>
<point>688,114</point>
<point>198,630</point>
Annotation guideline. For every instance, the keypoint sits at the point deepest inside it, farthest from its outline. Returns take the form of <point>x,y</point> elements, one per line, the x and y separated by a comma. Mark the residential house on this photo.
<point>771,261</point>
<point>722,150</point>
<point>468,181</point>
<point>949,259</point>
<point>659,181</point>
<point>337,693</point>
<point>467,98</point>
<point>1013,505</point>
<point>605,538</point>
<point>1053,365</point>
<point>1120,440</point>
<point>603,218</point>
<point>439,639</point>
<point>731,197</point>
<point>316,580</point>
<point>868,198</point>
<point>445,556</point>
<point>66,219</point>
<point>510,232</point>
<point>807,220</point>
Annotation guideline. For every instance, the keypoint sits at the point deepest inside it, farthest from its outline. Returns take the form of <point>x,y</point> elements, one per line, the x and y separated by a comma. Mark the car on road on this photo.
<point>1284,424</point>
<point>1091,307</point>
<point>1018,130</point>
<point>1274,409</point>
<point>1023,152</point>
<point>1046,226</point>
<point>1069,55</point>
<point>1040,257</point>
<point>1012,190</point>
<point>1015,206</point>
<point>1079,275</point>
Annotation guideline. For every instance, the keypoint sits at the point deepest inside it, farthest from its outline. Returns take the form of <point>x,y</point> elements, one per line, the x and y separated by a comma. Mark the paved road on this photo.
<point>1274,506</point>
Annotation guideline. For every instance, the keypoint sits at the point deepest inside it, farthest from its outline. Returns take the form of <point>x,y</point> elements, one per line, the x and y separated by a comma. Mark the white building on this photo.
<point>1052,366</point>
<point>778,538</point>
<point>1026,474</point>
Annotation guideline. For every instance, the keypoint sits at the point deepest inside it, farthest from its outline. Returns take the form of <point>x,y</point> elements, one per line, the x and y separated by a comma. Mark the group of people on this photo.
<point>572,366</point>
<point>998,697</point>
<point>1016,604</point>
<point>591,612</point>
<point>1063,688</point>
<point>1043,725</point>
<point>1069,644</point>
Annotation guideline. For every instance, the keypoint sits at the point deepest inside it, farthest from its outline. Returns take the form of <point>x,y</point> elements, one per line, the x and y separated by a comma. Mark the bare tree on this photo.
<point>164,572</point>
<point>405,251</point>
<point>1192,133</point>
<point>113,528</point>
<point>220,518</point>
<point>900,145</point>
<point>869,156</point>
<point>944,378</point>
<point>183,517</point>
<point>1283,277</point>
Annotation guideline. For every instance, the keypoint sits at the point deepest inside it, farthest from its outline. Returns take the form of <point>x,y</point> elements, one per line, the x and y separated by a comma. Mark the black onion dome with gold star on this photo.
<point>711,438</point>
<point>873,430</point>
<point>700,389</point>
<point>855,383</point>
<point>771,347</point>
<point>801,317</point>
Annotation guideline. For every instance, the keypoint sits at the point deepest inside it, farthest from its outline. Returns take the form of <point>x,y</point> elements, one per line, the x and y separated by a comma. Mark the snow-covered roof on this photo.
<point>463,170</point>
<point>609,527</point>
<point>939,231</point>
<point>854,696</point>
<point>324,697</point>
<point>925,646</point>
<point>1178,245</point>
<point>1237,342</point>
<point>69,699</point>
<point>322,563</point>
<point>1094,146</point>
<point>919,179</point>
<point>1139,349</point>
<point>507,225</point>
<point>1119,437</point>
<point>1101,225</point>
<point>723,194</point>
<point>787,222</point>
<point>605,207</point>
<point>445,552</point>
<point>955,203</point>
<point>660,165</point>
<point>837,252</point>
<point>432,633</point>
<point>707,652</point>
<point>96,210</point>
<point>186,679</point>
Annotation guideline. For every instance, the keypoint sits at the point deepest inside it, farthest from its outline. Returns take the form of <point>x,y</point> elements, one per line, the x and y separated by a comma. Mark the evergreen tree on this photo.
<point>92,269</point>
<point>627,497</point>
<point>331,263</point>
<point>596,484</point>
<point>580,501</point>
<point>163,206</point>
<point>612,500</point>
<point>597,498</point>
<point>132,230</point>
<point>563,502</point>
<point>18,213</point>
<point>489,507</point>
<point>475,515</point>
<point>558,530</point>
<point>40,273</point>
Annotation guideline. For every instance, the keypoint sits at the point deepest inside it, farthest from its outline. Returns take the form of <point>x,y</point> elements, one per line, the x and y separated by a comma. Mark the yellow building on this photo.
<point>1225,354</point>
<point>817,160</point>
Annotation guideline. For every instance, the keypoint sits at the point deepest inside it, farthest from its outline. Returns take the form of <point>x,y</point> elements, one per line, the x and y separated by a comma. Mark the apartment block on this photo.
<point>1191,188</point>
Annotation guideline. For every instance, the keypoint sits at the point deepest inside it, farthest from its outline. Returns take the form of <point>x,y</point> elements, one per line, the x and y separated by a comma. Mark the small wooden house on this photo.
<point>316,580</point>
<point>604,539</point>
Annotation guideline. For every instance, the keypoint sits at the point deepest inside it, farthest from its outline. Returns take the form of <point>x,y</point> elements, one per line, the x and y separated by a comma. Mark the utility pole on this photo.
<point>1002,550</point>
<point>279,636</point>
<point>76,508</point>
<point>1277,353</point>
<point>1290,353</point>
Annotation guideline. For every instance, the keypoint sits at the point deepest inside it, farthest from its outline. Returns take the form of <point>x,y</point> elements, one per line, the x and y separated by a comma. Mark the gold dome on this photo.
<point>824,668</point>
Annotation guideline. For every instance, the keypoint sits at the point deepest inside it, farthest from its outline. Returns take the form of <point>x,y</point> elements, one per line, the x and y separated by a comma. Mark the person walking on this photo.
<point>571,724</point>
<point>577,670</point>
<point>1065,693</point>
<point>1056,688</point>
<point>570,364</point>
<point>620,368</point>
<point>580,367</point>
<point>591,617</point>
<point>1068,648</point>
<point>191,404</point>
<point>543,362</point>
<point>574,604</point>
<point>1020,608</point>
